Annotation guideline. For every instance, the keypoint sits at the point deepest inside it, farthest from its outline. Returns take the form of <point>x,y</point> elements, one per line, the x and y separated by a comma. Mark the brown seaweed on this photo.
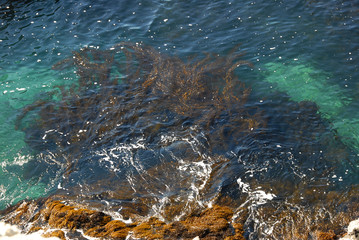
<point>134,85</point>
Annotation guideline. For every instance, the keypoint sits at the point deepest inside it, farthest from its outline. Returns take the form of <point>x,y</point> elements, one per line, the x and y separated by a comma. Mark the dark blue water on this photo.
<point>301,66</point>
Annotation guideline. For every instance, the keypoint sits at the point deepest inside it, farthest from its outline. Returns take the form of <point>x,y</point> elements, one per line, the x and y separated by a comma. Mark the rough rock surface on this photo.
<point>52,215</point>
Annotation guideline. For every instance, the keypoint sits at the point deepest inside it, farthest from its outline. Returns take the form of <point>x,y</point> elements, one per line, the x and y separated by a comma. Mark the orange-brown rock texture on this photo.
<point>63,219</point>
<point>53,215</point>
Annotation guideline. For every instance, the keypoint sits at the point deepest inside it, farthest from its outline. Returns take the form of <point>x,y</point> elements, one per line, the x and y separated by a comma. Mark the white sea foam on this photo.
<point>353,231</point>
<point>244,187</point>
<point>18,160</point>
<point>256,198</point>
<point>196,172</point>
<point>125,152</point>
<point>11,232</point>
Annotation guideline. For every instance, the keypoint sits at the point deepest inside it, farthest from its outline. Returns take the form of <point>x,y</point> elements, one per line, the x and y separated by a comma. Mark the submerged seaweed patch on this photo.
<point>153,91</point>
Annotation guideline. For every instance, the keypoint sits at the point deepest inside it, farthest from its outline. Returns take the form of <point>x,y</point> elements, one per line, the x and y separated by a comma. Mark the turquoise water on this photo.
<point>300,51</point>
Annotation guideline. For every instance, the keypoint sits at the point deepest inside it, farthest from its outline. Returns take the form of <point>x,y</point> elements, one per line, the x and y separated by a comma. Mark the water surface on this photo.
<point>300,62</point>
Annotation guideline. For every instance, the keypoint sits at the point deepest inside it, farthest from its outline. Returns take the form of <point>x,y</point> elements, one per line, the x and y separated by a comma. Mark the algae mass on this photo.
<point>156,91</point>
<point>303,82</point>
<point>149,144</point>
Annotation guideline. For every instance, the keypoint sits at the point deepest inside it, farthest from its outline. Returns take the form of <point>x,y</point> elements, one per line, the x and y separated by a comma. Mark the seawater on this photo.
<point>301,51</point>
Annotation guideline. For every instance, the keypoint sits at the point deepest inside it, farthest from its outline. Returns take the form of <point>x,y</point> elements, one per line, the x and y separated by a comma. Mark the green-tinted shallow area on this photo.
<point>303,82</point>
<point>18,88</point>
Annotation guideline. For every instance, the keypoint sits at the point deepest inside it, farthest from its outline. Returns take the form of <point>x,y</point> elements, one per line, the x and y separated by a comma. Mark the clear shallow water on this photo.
<point>301,51</point>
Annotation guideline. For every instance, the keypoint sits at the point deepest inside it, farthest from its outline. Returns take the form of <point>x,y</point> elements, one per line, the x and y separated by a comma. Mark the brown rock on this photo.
<point>210,223</point>
<point>35,229</point>
<point>151,229</point>
<point>238,228</point>
<point>114,229</point>
<point>57,233</point>
<point>327,235</point>
<point>59,215</point>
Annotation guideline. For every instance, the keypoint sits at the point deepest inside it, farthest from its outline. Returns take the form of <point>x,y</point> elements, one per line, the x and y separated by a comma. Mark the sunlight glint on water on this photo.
<point>303,94</point>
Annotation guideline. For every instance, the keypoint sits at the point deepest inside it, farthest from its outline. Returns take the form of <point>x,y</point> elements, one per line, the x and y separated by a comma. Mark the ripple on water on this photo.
<point>183,145</point>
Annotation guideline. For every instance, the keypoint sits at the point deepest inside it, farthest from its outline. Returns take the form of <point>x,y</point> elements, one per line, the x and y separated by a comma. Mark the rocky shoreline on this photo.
<point>69,220</point>
<point>64,221</point>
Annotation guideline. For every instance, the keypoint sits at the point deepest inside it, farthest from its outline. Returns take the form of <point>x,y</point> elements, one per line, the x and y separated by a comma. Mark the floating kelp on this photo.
<point>156,90</point>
